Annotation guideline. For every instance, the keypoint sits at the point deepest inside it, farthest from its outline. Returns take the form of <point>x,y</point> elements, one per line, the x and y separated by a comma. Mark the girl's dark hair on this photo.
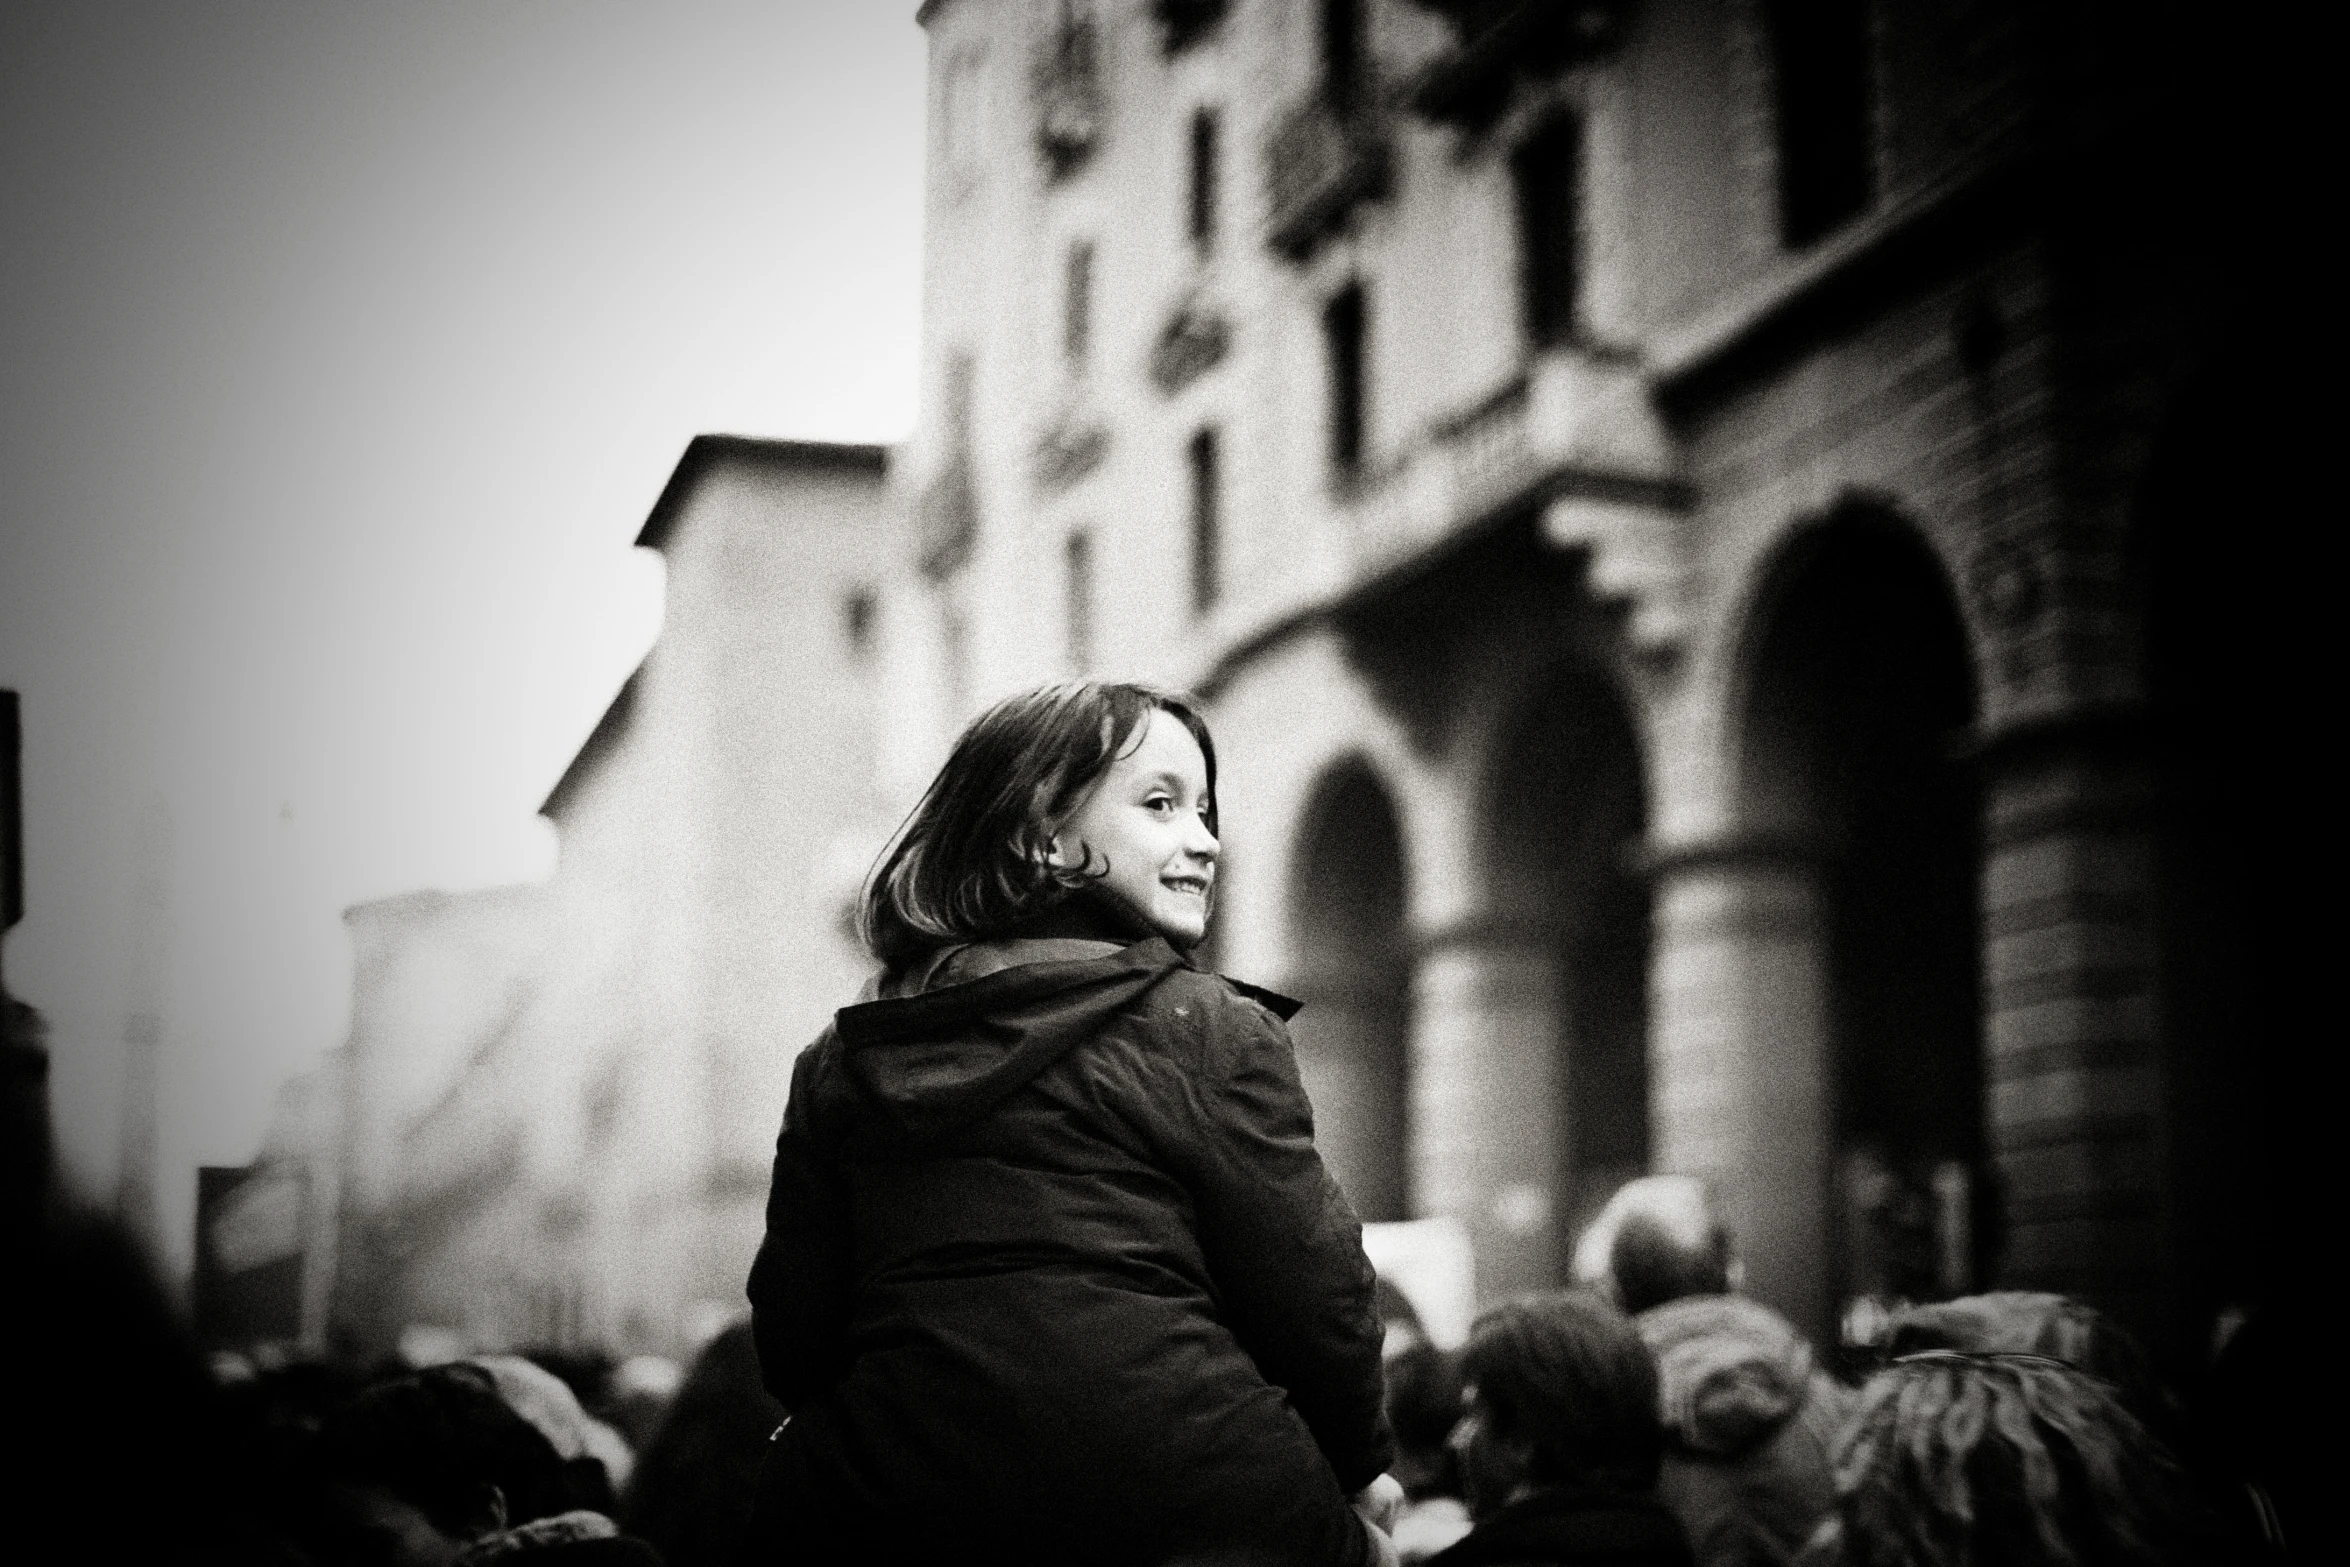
<point>1957,1459</point>
<point>971,862</point>
<point>1567,1372</point>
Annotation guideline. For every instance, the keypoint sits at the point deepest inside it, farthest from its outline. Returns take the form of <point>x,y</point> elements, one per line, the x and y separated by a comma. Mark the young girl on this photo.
<point>1052,1270</point>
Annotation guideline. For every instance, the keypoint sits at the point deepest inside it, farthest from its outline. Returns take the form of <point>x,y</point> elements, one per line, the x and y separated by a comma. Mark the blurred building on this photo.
<point>560,1101</point>
<point>1686,514</point>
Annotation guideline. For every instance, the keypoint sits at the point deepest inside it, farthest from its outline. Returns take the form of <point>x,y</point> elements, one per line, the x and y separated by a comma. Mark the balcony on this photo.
<point>1498,40</point>
<point>1068,94</point>
<point>1326,154</point>
<point>1183,23</point>
<point>1575,441</point>
<point>1193,342</point>
<point>948,520</point>
<point>1069,449</point>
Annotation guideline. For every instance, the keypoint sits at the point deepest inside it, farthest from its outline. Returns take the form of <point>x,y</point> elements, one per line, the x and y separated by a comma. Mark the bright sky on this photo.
<point>343,349</point>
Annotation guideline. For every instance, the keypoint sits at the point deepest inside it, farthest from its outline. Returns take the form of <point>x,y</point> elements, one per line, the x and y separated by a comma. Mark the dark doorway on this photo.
<point>1860,709</point>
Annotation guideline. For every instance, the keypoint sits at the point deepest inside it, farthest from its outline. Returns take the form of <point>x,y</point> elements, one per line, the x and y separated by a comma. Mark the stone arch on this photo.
<point>1853,710</point>
<point>1351,965</point>
<point>1564,814</point>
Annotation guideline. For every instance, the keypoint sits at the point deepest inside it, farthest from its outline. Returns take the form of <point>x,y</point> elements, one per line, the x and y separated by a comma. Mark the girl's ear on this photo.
<point>1054,855</point>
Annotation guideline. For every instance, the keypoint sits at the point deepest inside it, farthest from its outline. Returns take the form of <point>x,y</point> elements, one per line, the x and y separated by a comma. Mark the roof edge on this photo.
<point>704,452</point>
<point>601,742</point>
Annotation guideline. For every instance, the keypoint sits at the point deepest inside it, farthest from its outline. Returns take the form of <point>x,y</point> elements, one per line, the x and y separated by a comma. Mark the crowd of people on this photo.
<point>1650,1414</point>
<point>1653,1414</point>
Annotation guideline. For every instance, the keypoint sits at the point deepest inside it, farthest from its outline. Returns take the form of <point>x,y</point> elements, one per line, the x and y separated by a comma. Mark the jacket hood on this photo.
<point>977,1023</point>
<point>1730,1371</point>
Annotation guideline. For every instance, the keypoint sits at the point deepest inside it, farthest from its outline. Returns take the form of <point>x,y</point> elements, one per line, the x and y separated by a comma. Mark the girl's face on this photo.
<point>1147,820</point>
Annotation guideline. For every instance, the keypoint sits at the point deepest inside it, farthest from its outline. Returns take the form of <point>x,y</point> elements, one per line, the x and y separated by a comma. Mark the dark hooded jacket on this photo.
<point>1749,1424</point>
<point>1053,1273</point>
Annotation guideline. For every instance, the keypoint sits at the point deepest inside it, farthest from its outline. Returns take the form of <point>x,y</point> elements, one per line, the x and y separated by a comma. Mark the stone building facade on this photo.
<point>1679,513</point>
<point>559,1101</point>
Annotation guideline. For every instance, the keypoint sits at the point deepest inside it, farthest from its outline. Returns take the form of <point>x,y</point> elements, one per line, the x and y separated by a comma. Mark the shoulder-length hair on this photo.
<point>973,860</point>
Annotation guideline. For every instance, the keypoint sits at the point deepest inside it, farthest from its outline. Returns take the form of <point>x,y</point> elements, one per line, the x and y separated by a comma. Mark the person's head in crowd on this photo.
<point>2030,1322</point>
<point>1658,1239</point>
<point>596,1461</point>
<point>420,1467</point>
<point>1956,1458</point>
<point>1557,1391</point>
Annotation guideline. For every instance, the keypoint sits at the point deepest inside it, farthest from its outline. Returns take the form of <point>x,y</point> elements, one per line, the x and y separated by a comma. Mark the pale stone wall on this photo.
<point>562,1134</point>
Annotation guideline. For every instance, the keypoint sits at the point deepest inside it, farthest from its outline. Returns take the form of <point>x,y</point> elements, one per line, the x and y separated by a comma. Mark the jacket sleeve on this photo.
<point>800,1283</point>
<point>1283,1244</point>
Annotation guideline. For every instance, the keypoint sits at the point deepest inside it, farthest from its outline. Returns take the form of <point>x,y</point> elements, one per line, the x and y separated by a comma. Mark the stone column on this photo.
<point>1346,1040</point>
<point>1485,1108</point>
<point>2073,1076</point>
<point>1739,1070</point>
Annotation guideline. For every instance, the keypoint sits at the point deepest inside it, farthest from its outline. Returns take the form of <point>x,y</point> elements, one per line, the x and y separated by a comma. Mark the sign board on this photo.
<point>1433,1264</point>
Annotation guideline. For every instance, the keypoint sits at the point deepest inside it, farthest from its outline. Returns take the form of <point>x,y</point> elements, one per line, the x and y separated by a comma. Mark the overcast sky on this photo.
<point>344,348</point>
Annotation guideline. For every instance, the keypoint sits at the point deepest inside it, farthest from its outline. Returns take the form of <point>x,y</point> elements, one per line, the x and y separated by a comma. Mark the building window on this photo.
<point>1343,328</point>
<point>1820,56</point>
<point>607,1097</point>
<point>954,654</point>
<point>1549,171</point>
<point>1205,181</point>
<point>961,372</point>
<point>1077,304</point>
<point>1207,521</point>
<point>959,121</point>
<point>1342,51</point>
<point>948,508</point>
<point>1068,86</point>
<point>1077,597</point>
<point>859,608</point>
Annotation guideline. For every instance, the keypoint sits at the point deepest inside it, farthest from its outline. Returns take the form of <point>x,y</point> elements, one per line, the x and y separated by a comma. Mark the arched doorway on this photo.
<point>1858,709</point>
<point>1568,813</point>
<point>1353,972</point>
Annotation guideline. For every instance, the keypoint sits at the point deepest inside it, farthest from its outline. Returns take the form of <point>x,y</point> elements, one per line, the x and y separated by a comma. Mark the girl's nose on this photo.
<point>1201,842</point>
